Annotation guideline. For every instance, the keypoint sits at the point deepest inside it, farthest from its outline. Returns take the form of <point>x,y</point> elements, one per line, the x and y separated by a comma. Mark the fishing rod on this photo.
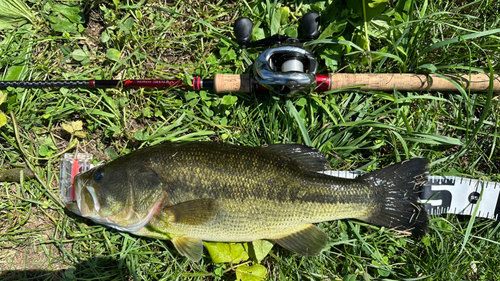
<point>287,68</point>
<point>243,83</point>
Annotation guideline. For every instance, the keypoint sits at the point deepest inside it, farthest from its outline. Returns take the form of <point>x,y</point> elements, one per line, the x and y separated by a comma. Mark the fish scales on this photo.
<point>265,193</point>
<point>196,191</point>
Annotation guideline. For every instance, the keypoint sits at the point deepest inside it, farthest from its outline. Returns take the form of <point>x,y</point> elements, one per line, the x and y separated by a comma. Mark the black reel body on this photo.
<point>286,68</point>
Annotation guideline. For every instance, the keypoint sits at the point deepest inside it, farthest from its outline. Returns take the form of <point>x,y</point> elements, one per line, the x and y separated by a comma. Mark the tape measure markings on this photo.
<point>452,195</point>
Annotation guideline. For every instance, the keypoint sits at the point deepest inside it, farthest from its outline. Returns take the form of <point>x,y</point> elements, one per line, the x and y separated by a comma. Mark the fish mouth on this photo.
<point>87,202</point>
<point>81,200</point>
<point>68,197</point>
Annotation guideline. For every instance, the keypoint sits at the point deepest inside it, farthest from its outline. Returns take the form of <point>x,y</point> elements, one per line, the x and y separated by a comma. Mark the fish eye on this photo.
<point>98,175</point>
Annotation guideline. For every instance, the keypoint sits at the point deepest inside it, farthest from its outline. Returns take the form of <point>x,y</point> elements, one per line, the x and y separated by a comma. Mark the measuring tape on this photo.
<point>453,195</point>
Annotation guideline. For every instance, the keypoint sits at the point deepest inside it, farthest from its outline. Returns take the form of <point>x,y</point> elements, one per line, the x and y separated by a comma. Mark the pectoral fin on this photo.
<point>194,212</point>
<point>308,241</point>
<point>189,247</point>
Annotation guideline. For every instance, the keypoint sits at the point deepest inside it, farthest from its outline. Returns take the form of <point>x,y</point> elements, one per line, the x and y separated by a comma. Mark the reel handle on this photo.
<point>243,31</point>
<point>237,83</point>
<point>310,26</point>
<point>411,82</point>
<point>225,83</point>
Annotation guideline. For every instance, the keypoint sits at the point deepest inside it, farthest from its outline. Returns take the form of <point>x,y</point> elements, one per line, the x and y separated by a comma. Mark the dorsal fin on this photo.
<point>305,156</point>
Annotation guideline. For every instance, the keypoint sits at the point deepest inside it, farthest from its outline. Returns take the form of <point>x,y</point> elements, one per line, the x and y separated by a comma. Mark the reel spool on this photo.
<point>287,68</point>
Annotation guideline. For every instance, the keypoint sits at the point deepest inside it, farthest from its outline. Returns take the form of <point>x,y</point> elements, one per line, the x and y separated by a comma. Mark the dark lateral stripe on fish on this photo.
<point>278,195</point>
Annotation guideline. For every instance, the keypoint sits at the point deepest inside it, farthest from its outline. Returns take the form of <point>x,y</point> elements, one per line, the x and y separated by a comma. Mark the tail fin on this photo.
<point>400,186</point>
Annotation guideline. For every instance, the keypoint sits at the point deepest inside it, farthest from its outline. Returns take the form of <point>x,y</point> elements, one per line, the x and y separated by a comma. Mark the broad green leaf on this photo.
<point>14,12</point>
<point>77,125</point>
<point>74,128</point>
<point>191,95</point>
<point>147,112</point>
<point>231,54</point>
<point>229,100</point>
<point>428,68</point>
<point>292,32</point>
<point>79,55</point>
<point>65,50</point>
<point>251,273</point>
<point>80,134</point>
<point>126,25</point>
<point>111,153</point>
<point>301,102</point>
<point>3,97</point>
<point>276,21</point>
<point>70,273</point>
<point>105,37</point>
<point>332,56</point>
<point>3,119</point>
<point>258,33</point>
<point>334,27</point>
<point>139,135</point>
<point>259,249</point>
<point>382,268</point>
<point>375,3</point>
<point>60,24</point>
<point>285,15</point>
<point>73,13</point>
<point>319,5</point>
<point>14,73</point>
<point>372,8</point>
<point>350,277</point>
<point>67,127</point>
<point>48,148</point>
<point>227,252</point>
<point>138,14</point>
<point>113,54</point>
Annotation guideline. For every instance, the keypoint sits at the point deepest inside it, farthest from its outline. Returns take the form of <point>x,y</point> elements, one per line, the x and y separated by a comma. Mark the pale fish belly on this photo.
<point>237,221</point>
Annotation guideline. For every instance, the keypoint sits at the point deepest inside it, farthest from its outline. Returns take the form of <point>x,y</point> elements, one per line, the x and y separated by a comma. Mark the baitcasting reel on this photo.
<point>287,68</point>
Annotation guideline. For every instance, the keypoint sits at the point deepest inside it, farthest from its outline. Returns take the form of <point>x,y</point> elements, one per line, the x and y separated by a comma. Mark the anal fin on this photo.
<point>308,241</point>
<point>189,247</point>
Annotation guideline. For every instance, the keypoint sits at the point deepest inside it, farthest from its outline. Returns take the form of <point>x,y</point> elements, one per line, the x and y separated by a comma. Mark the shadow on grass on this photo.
<point>92,269</point>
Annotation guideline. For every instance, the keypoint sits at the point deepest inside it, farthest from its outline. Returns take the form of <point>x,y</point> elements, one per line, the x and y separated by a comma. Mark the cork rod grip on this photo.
<point>412,82</point>
<point>225,83</point>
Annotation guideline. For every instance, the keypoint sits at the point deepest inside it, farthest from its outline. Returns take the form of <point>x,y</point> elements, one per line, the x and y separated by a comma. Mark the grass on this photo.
<point>67,40</point>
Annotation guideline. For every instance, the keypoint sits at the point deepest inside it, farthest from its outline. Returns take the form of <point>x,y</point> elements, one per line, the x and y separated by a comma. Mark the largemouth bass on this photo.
<point>196,191</point>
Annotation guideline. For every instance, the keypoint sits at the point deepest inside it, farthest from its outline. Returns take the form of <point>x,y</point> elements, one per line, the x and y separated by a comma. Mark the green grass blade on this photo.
<point>461,38</point>
<point>300,122</point>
